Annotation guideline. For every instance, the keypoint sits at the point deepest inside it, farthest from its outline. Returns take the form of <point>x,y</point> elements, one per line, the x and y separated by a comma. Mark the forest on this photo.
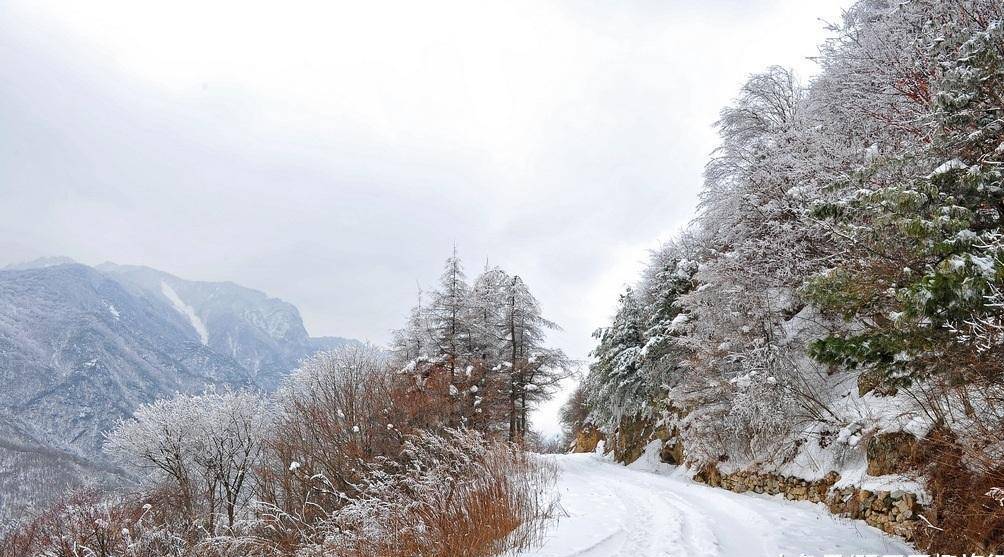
<point>843,276</point>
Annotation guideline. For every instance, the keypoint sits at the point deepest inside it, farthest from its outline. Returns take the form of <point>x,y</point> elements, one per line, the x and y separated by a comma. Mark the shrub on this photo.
<point>459,495</point>
<point>86,524</point>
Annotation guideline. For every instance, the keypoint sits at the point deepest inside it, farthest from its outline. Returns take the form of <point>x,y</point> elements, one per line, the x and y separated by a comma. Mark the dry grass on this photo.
<point>87,524</point>
<point>961,459</point>
<point>964,515</point>
<point>462,496</point>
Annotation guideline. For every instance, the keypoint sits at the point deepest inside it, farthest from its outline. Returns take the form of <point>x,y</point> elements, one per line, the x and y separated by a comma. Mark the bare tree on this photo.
<point>204,446</point>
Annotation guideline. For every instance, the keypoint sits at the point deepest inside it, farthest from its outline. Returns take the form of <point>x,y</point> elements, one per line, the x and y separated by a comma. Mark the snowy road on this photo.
<point>618,511</point>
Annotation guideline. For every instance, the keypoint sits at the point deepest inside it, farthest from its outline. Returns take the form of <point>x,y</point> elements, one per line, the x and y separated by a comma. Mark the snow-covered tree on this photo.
<point>921,224</point>
<point>448,315</point>
<point>489,337</point>
<point>486,317</point>
<point>412,341</point>
<point>616,387</point>
<point>204,447</point>
<point>855,219</point>
<point>534,369</point>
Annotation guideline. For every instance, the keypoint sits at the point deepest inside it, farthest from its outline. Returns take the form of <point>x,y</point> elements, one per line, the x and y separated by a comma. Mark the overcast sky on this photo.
<point>332,153</point>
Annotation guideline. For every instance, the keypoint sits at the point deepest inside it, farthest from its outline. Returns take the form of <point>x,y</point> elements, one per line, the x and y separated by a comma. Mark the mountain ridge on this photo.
<point>82,346</point>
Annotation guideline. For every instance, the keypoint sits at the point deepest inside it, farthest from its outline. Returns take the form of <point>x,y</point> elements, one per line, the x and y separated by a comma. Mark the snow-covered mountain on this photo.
<point>264,335</point>
<point>81,347</point>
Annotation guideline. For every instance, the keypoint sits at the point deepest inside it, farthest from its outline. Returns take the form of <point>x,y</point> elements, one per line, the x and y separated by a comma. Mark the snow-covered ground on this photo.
<point>653,510</point>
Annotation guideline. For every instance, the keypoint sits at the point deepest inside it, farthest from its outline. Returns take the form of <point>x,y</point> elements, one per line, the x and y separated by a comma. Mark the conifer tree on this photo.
<point>615,376</point>
<point>924,253</point>
<point>448,315</point>
<point>534,370</point>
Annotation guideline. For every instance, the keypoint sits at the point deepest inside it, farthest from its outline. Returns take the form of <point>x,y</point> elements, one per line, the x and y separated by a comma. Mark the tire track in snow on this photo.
<point>619,512</point>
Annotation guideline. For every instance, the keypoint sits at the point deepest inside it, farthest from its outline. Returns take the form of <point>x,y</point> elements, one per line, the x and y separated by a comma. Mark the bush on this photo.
<point>967,507</point>
<point>354,459</point>
<point>204,447</point>
<point>86,524</point>
<point>459,495</point>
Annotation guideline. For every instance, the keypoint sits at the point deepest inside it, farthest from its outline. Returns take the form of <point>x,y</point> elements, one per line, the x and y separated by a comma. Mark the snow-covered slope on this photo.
<point>187,311</point>
<point>264,335</point>
<point>33,470</point>
<point>651,509</point>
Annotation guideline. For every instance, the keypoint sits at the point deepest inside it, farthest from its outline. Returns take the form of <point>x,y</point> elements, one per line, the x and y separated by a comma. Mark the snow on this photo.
<point>679,321</point>
<point>871,153</point>
<point>652,509</point>
<point>997,494</point>
<point>986,265</point>
<point>186,310</point>
<point>894,482</point>
<point>948,166</point>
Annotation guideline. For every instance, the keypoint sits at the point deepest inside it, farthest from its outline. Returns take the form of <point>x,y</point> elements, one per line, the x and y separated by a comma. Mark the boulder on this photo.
<point>631,438</point>
<point>587,440</point>
<point>672,451</point>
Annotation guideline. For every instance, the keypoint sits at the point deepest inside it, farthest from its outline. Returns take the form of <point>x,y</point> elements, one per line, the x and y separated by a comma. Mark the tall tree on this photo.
<point>534,370</point>
<point>615,374</point>
<point>923,256</point>
<point>448,314</point>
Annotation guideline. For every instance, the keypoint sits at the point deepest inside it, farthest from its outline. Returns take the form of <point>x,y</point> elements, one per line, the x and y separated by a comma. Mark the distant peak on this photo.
<point>40,263</point>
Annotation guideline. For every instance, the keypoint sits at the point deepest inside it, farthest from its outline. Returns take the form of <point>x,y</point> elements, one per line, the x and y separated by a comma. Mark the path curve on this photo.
<point>615,511</point>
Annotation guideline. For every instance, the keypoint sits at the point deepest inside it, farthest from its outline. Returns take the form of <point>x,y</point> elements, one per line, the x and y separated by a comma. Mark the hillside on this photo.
<point>82,347</point>
<point>830,326</point>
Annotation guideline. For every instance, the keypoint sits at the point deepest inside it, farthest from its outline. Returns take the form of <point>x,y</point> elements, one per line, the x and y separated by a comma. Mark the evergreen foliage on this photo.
<point>491,337</point>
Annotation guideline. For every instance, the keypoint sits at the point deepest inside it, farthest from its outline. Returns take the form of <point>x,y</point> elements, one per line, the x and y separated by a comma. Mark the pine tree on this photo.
<point>485,317</point>
<point>490,339</point>
<point>615,381</point>
<point>448,315</point>
<point>410,343</point>
<point>924,254</point>
<point>534,370</point>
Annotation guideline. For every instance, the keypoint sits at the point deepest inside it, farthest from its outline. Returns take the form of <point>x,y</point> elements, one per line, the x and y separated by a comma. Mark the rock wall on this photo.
<point>894,512</point>
<point>628,442</point>
<point>630,439</point>
<point>587,440</point>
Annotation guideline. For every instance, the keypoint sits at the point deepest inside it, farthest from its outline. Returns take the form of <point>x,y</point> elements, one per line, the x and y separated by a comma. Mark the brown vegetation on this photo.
<point>967,507</point>
<point>459,495</point>
<point>359,460</point>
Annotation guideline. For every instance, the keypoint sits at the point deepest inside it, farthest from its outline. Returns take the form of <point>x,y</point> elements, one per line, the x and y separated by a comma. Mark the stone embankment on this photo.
<point>894,512</point>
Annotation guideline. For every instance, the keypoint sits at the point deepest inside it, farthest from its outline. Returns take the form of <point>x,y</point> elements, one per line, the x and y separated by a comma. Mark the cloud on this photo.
<point>331,153</point>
